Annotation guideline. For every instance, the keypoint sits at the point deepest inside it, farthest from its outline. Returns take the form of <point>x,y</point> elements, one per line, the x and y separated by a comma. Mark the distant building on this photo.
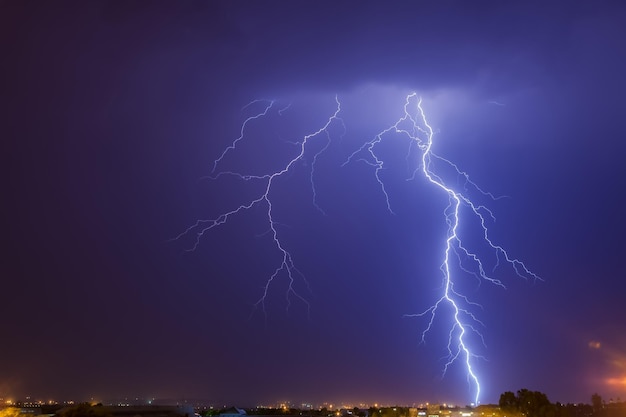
<point>34,411</point>
<point>433,410</point>
<point>233,412</point>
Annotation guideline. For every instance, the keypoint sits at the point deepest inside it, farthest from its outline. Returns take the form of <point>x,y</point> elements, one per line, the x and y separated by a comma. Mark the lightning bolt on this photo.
<point>286,266</point>
<point>458,258</point>
<point>414,126</point>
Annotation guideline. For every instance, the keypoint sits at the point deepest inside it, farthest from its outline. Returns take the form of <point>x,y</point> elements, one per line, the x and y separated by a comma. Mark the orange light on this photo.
<point>621,381</point>
<point>594,344</point>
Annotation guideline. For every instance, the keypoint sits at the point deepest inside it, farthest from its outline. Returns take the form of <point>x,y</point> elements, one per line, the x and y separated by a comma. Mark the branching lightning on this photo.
<point>286,265</point>
<point>457,255</point>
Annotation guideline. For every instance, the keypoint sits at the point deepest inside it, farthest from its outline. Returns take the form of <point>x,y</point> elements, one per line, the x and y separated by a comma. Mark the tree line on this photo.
<point>528,403</point>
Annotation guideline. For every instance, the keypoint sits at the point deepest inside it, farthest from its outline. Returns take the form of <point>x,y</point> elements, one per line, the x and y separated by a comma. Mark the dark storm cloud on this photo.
<point>436,45</point>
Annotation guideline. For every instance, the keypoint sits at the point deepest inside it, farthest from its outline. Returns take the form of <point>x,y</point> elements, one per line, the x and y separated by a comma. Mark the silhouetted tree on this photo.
<point>508,402</point>
<point>596,403</point>
<point>529,403</point>
<point>85,410</point>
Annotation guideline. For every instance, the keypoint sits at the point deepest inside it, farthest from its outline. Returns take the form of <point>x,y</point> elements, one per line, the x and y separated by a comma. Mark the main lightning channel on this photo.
<point>413,125</point>
<point>462,349</point>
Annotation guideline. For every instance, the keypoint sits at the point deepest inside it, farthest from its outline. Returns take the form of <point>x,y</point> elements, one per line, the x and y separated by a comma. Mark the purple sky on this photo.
<point>114,111</point>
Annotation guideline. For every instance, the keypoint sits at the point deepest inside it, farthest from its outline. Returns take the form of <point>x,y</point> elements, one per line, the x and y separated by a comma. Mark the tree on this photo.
<point>10,412</point>
<point>596,403</point>
<point>508,402</point>
<point>529,403</point>
<point>85,410</point>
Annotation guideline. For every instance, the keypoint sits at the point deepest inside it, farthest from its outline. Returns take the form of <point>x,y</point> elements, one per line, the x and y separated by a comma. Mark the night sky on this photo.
<point>113,112</point>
